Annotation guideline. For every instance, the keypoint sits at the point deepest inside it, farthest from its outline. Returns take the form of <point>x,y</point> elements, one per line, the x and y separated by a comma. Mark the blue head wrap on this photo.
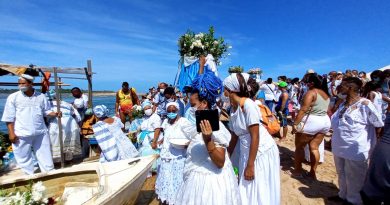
<point>146,103</point>
<point>209,86</point>
<point>100,111</point>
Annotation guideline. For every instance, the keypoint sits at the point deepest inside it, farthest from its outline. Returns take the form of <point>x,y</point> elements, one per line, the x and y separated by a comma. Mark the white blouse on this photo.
<point>240,120</point>
<point>198,158</point>
<point>354,130</point>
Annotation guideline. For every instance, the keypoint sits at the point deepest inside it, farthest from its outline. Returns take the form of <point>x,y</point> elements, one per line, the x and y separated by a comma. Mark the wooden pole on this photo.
<point>89,78</point>
<point>59,118</point>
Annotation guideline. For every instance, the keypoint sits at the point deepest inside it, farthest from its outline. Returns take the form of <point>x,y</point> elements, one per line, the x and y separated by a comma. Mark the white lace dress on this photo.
<point>170,169</point>
<point>265,188</point>
<point>205,183</point>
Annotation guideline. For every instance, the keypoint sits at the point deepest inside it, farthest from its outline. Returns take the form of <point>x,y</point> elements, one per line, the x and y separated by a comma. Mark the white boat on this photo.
<point>108,183</point>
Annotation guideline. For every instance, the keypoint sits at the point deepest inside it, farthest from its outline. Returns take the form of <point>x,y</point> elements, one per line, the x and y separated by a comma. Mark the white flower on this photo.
<point>215,42</point>
<point>38,187</point>
<point>138,108</point>
<point>45,200</point>
<point>36,196</point>
<point>202,47</point>
<point>199,35</point>
<point>192,46</point>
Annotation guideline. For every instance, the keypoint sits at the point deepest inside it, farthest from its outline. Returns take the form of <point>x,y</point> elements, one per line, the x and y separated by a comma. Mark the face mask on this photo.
<point>23,88</point>
<point>172,115</point>
<point>342,96</point>
<point>376,79</point>
<point>170,100</point>
<point>148,112</point>
<point>162,91</point>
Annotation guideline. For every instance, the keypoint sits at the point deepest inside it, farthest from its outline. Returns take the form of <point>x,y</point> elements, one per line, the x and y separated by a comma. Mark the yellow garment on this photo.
<point>125,100</point>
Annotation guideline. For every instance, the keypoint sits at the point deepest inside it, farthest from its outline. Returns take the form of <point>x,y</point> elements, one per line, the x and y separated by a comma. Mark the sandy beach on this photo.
<point>293,191</point>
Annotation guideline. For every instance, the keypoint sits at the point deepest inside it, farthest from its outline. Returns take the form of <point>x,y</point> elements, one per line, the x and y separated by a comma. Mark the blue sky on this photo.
<point>136,41</point>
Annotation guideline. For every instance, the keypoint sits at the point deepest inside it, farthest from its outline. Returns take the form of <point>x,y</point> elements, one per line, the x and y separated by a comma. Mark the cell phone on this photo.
<point>211,115</point>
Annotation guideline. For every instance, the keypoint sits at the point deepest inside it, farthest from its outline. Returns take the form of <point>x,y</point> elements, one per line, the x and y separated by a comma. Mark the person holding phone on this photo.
<point>259,163</point>
<point>172,159</point>
<point>208,173</point>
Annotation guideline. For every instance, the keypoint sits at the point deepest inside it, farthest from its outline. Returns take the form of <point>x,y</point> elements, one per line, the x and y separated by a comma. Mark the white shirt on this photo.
<point>151,123</point>
<point>81,102</point>
<point>27,113</point>
<point>240,120</point>
<point>354,132</point>
<point>269,91</point>
<point>182,128</point>
<point>198,158</point>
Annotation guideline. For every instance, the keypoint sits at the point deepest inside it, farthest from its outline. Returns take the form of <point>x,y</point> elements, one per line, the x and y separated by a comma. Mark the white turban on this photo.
<point>27,77</point>
<point>100,111</point>
<point>174,104</point>
<point>231,82</point>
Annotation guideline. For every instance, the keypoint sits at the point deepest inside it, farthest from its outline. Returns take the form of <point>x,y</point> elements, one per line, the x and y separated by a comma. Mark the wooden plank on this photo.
<point>35,84</point>
<point>59,118</point>
<point>79,71</point>
<point>89,78</point>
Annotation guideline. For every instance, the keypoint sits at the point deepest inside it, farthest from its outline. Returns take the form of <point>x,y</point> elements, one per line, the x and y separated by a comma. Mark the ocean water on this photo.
<point>108,101</point>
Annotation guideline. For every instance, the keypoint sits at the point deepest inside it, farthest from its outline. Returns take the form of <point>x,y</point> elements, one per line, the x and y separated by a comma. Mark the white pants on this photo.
<point>40,144</point>
<point>351,178</point>
<point>321,149</point>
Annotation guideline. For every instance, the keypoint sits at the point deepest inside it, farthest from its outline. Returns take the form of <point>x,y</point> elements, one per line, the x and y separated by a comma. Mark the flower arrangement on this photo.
<point>236,69</point>
<point>254,71</point>
<point>191,44</point>
<point>33,195</point>
<point>137,112</point>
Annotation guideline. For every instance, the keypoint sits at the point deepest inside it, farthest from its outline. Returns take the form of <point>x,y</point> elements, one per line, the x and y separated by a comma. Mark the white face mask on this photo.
<point>23,88</point>
<point>162,91</point>
<point>148,112</point>
<point>342,96</point>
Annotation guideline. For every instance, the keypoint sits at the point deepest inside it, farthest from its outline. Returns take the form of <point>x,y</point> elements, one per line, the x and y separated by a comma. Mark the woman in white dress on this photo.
<point>70,130</point>
<point>115,145</point>
<point>172,159</point>
<point>209,178</point>
<point>150,132</point>
<point>259,164</point>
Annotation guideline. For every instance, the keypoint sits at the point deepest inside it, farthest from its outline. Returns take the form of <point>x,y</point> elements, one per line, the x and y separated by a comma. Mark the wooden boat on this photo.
<point>116,182</point>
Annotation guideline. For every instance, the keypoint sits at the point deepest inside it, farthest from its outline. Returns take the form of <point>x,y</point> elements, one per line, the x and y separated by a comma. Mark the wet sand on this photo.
<point>293,191</point>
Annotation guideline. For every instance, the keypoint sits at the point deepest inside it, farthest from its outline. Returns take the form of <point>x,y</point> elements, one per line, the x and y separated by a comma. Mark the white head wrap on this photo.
<point>174,104</point>
<point>146,103</point>
<point>100,111</point>
<point>231,82</point>
<point>27,77</point>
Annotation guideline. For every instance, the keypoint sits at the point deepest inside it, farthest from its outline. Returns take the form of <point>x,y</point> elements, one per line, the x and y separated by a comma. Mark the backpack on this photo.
<point>268,119</point>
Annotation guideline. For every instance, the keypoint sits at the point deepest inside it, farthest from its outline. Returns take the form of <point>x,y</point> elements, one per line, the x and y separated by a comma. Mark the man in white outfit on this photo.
<point>24,114</point>
<point>353,137</point>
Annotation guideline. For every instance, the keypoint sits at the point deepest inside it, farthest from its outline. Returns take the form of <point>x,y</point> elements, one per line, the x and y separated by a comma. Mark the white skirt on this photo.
<point>321,149</point>
<point>265,188</point>
<point>316,124</point>
<point>169,179</point>
<point>209,189</point>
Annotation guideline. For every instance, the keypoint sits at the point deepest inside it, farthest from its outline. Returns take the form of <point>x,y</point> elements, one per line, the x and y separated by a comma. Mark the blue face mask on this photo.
<point>172,115</point>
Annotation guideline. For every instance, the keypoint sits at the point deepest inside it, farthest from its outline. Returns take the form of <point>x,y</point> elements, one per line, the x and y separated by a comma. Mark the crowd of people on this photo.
<point>350,106</point>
